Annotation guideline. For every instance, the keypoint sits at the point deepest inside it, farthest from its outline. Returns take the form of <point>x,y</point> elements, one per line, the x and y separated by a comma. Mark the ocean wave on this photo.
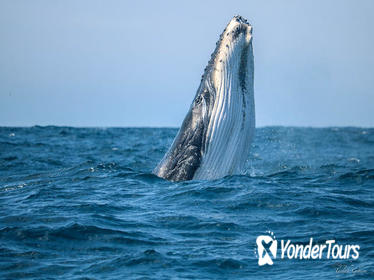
<point>81,203</point>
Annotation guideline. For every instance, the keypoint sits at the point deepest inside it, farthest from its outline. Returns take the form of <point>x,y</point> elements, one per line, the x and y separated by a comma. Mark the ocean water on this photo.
<point>81,203</point>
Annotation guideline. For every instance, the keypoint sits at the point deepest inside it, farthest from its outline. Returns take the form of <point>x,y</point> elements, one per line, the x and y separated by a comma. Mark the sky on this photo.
<point>139,63</point>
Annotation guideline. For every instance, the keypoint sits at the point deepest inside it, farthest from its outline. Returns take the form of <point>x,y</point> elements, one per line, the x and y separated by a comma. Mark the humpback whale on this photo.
<point>215,137</point>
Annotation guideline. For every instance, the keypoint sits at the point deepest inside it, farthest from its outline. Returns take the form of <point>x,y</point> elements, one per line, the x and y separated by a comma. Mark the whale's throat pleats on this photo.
<point>231,124</point>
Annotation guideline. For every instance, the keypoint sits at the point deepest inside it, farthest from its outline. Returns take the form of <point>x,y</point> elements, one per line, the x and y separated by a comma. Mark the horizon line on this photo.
<point>177,127</point>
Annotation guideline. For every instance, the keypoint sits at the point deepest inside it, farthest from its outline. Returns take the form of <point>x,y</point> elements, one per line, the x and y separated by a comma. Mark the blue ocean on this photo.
<point>82,203</point>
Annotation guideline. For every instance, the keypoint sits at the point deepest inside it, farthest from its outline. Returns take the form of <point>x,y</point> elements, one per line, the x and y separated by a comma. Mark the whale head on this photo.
<point>232,55</point>
<point>215,137</point>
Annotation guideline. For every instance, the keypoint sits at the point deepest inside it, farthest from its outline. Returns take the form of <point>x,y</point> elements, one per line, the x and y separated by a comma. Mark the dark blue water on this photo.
<point>79,203</point>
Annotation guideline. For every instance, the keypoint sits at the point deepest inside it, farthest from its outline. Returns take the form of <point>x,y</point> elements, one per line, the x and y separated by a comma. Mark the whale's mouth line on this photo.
<point>215,135</point>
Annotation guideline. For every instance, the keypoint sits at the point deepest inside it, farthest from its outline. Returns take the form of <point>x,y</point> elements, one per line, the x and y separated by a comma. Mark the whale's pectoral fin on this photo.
<point>184,157</point>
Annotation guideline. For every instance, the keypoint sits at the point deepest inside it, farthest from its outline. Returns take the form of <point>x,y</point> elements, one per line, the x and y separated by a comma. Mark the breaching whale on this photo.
<point>215,137</point>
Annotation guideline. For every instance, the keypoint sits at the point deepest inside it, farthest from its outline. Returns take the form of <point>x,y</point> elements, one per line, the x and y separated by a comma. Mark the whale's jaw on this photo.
<point>215,137</point>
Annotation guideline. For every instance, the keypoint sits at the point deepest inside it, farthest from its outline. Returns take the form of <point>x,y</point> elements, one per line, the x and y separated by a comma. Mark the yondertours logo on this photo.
<point>267,249</point>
